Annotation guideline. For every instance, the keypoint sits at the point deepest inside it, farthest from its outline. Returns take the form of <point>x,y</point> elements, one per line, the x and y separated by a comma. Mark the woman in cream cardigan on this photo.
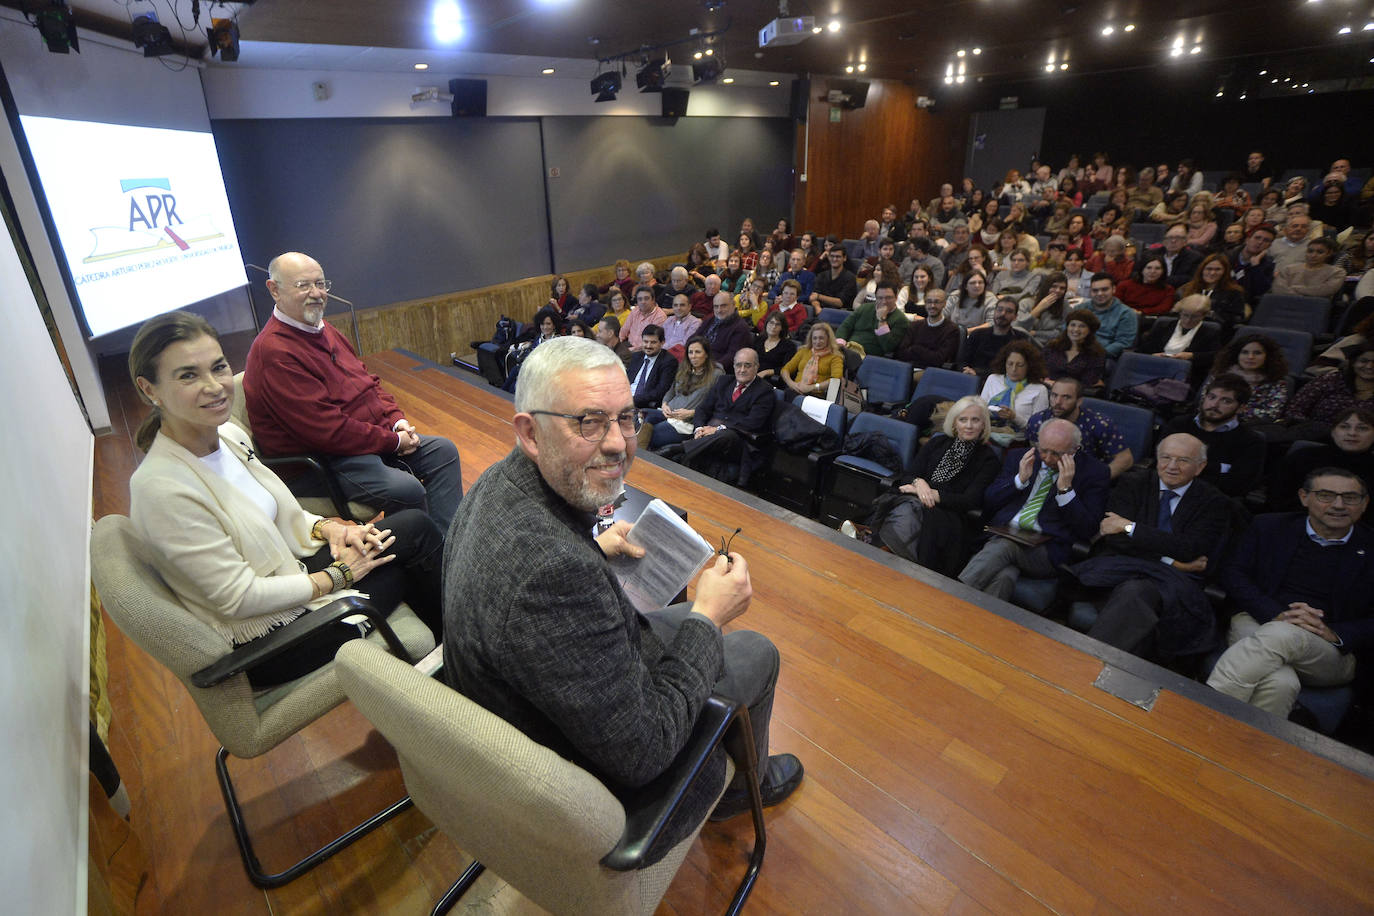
<point>226,534</point>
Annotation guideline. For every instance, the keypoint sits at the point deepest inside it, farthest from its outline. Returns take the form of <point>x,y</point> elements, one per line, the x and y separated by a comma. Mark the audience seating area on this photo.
<point>834,485</point>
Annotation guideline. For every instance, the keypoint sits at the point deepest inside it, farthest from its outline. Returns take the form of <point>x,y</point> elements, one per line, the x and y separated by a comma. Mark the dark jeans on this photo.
<point>415,577</point>
<point>429,478</point>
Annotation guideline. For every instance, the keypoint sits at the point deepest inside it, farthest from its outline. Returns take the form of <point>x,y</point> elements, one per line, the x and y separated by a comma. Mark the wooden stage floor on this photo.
<point>958,759</point>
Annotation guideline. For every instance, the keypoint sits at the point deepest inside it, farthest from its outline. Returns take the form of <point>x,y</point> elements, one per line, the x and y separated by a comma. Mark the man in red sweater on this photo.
<point>307,392</point>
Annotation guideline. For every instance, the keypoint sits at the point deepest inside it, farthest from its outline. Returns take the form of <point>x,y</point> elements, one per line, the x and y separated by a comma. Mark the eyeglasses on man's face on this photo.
<point>323,286</point>
<point>1328,497</point>
<point>594,425</point>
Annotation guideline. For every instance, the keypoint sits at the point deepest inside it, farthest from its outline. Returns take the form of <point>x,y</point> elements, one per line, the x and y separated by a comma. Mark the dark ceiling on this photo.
<point>912,40</point>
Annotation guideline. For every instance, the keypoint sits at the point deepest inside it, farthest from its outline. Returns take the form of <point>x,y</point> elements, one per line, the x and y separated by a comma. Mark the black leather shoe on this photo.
<point>780,779</point>
<point>672,452</point>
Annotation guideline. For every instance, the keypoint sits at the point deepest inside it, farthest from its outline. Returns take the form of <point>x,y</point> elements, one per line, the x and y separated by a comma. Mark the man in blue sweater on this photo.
<point>1119,320</point>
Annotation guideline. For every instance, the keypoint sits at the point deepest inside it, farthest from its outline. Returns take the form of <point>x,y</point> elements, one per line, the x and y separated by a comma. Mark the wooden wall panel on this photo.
<point>889,151</point>
<point>436,326</point>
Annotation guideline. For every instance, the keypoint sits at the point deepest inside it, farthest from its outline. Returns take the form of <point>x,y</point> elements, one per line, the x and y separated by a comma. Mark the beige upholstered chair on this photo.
<point>335,504</point>
<point>552,832</point>
<point>247,723</point>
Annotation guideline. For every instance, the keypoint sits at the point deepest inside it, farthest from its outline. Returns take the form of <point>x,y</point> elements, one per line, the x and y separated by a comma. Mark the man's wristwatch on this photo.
<point>1130,528</point>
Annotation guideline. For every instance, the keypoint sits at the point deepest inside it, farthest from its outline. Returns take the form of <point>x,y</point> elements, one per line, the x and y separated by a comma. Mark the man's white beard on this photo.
<point>313,314</point>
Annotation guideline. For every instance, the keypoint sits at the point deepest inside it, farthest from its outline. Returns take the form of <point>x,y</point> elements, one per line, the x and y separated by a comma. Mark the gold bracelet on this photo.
<point>315,530</point>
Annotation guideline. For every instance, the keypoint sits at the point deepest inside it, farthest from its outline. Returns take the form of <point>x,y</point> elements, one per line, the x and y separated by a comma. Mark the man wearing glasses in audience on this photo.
<point>736,409</point>
<point>1046,498</point>
<point>538,630</point>
<point>1301,585</point>
<point>306,391</point>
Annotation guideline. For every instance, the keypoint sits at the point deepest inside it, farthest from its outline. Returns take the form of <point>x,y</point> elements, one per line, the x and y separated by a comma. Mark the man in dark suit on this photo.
<point>1301,584</point>
<point>1049,496</point>
<point>1235,453</point>
<point>537,628</point>
<point>1180,261</point>
<point>652,369</point>
<point>736,409</point>
<point>1159,530</point>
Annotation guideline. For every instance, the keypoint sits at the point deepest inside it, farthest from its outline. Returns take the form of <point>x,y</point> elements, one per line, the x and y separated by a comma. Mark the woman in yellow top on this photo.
<point>752,304</point>
<point>810,371</point>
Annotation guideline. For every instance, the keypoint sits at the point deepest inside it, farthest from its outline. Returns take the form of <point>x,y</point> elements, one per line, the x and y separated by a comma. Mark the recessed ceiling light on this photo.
<point>1367,27</point>
<point>696,56</point>
<point>1195,49</point>
<point>977,50</point>
<point>1273,81</point>
<point>1049,68</point>
<point>1064,66</point>
<point>948,79</point>
<point>1130,27</point>
<point>1344,30</point>
<point>849,69</point>
<point>1264,73</point>
<point>833,25</point>
<point>728,80</point>
<point>959,53</point>
<point>1107,30</point>
<point>1176,52</point>
<point>863,67</point>
<point>816,30</point>
<point>772,82</point>
<point>547,71</point>
<point>959,78</point>
<point>709,51</point>
<point>1304,85</point>
<point>1242,95</point>
<point>422,66</point>
<point>1219,93</point>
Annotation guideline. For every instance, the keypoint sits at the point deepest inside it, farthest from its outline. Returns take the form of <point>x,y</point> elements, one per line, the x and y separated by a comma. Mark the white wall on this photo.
<point>241,92</point>
<point>45,474</point>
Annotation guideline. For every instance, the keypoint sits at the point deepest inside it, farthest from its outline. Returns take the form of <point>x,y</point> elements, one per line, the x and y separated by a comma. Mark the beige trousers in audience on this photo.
<point>1268,664</point>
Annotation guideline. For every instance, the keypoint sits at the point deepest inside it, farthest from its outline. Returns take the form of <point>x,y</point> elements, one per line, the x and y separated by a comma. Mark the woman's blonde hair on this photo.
<point>963,404</point>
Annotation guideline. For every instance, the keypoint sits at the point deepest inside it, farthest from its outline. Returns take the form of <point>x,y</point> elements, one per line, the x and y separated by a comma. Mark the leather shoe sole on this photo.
<point>781,778</point>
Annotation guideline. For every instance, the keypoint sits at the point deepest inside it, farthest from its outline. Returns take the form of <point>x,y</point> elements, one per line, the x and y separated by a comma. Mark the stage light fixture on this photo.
<point>653,74</point>
<point>55,24</point>
<point>709,70</point>
<point>606,85</point>
<point>224,39</point>
<point>152,36</point>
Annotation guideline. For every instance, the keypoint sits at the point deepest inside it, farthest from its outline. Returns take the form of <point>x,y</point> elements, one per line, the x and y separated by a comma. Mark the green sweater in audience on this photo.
<point>863,328</point>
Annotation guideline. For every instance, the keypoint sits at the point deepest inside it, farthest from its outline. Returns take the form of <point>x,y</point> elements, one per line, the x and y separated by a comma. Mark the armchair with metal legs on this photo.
<point>246,722</point>
<point>554,834</point>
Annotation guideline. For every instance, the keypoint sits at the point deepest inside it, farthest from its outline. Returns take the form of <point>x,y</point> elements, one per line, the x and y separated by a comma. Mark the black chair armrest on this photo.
<point>316,467</point>
<point>287,637</point>
<point>757,440</point>
<point>650,807</point>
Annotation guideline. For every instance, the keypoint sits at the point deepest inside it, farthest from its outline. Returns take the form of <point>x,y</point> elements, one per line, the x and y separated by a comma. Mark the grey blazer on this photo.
<point>538,630</point>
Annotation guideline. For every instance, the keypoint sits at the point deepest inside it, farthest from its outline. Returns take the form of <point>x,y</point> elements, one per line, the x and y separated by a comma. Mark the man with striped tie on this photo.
<point>1046,498</point>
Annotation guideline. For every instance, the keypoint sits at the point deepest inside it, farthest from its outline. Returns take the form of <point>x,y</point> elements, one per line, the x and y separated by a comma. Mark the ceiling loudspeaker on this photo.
<point>675,102</point>
<point>469,98</point>
<point>801,98</point>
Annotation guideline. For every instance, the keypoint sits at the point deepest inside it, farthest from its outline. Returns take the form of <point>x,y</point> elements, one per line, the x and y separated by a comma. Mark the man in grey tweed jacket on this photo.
<point>538,630</point>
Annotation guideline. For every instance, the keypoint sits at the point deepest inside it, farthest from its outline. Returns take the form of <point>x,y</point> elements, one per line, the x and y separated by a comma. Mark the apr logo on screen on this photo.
<point>154,222</point>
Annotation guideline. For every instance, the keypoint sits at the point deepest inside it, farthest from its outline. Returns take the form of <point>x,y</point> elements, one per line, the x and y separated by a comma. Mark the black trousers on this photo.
<point>415,577</point>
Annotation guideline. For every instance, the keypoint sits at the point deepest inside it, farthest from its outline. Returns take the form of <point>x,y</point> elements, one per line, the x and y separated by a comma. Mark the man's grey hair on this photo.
<point>643,266</point>
<point>679,273</point>
<point>538,386</point>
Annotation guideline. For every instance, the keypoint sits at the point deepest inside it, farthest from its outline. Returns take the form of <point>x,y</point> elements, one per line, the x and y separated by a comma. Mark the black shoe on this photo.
<point>782,775</point>
<point>672,452</point>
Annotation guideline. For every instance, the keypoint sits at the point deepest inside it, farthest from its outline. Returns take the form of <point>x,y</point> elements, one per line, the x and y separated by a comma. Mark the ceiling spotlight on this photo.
<point>816,30</point>
<point>1107,30</point>
<point>1344,30</point>
<point>696,55</point>
<point>1049,68</point>
<point>1219,93</point>
<point>1130,27</point>
<point>728,80</point>
<point>1273,81</point>
<point>547,71</point>
<point>709,51</point>
<point>1195,49</point>
<point>849,68</point>
<point>1064,66</point>
<point>959,53</point>
<point>863,67</point>
<point>1367,27</point>
<point>1264,73</point>
<point>1176,52</point>
<point>833,25</point>
<point>224,39</point>
<point>151,36</point>
<point>1242,95</point>
<point>772,82</point>
<point>422,66</point>
<point>1304,85</point>
<point>948,79</point>
<point>446,21</point>
<point>959,78</point>
<point>977,50</point>
<point>57,27</point>
<point>652,75</point>
<point>606,85</point>
<point>709,70</point>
